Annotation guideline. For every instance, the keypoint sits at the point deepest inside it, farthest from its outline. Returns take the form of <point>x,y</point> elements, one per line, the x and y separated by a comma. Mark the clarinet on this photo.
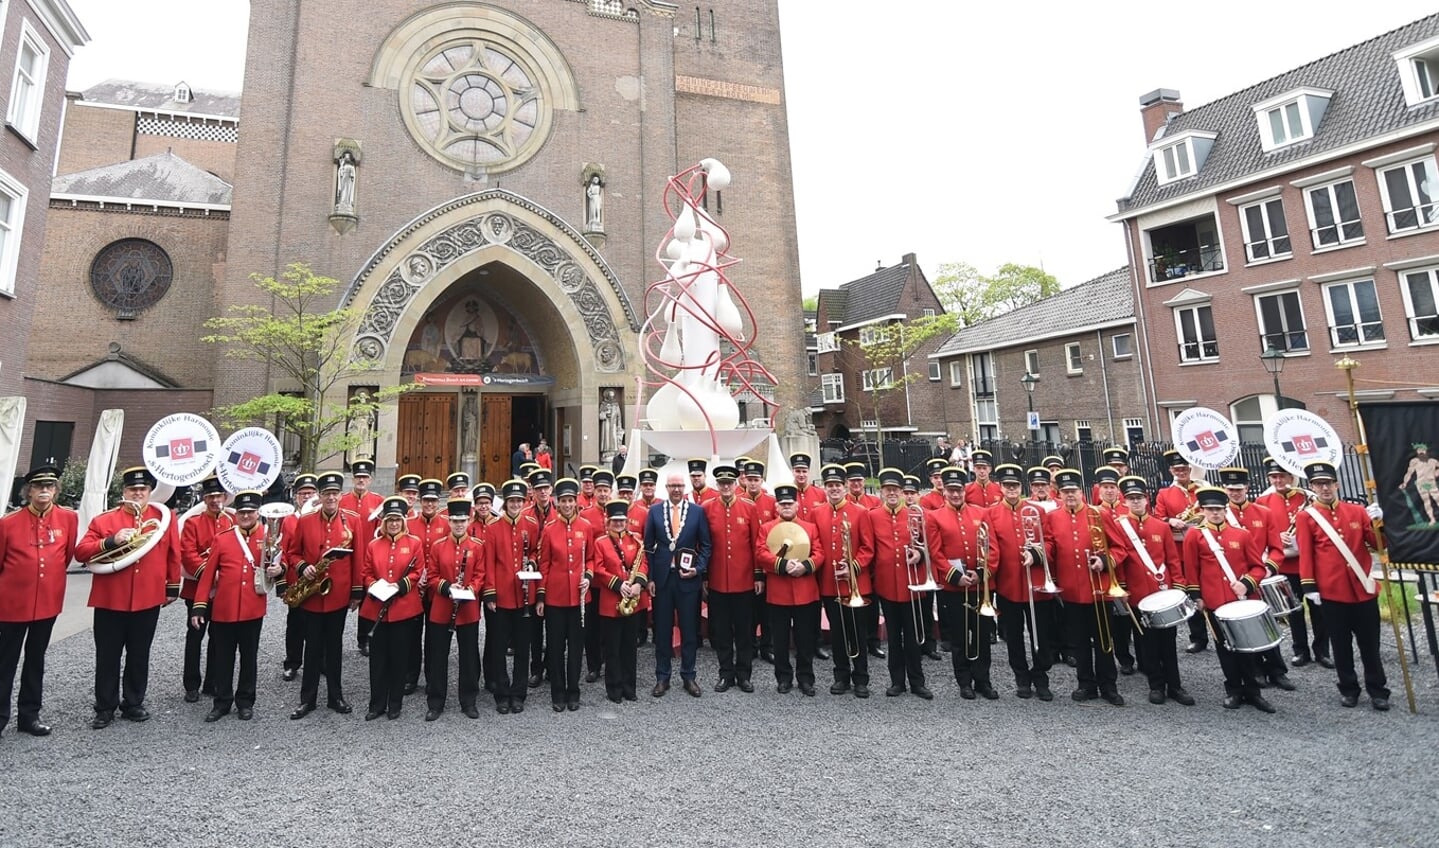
<point>525,584</point>
<point>385,607</point>
<point>582,580</point>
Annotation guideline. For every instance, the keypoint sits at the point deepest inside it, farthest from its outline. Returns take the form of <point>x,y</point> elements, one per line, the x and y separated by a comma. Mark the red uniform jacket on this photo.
<point>398,559</point>
<point>1068,542</point>
<point>1322,567</point>
<point>145,584</point>
<point>639,511</point>
<point>830,523</point>
<point>35,550</point>
<point>733,526</point>
<point>312,536</point>
<point>1012,581</point>
<point>195,539</point>
<point>428,532</point>
<point>461,564</point>
<point>765,507</point>
<point>866,500</point>
<point>809,497</point>
<point>933,499</point>
<point>366,528</point>
<point>1174,500</point>
<point>780,588</point>
<point>596,517</point>
<point>612,569</point>
<point>1259,521</point>
<point>1206,577</point>
<point>699,496</point>
<point>507,544</point>
<point>1158,541</point>
<point>567,552</point>
<point>954,534</point>
<point>230,576</point>
<point>585,500</point>
<point>549,516</point>
<point>985,494</point>
<point>1284,509</point>
<point>890,538</point>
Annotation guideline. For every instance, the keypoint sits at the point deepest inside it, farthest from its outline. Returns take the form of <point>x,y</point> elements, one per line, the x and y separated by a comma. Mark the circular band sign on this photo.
<point>1297,437</point>
<point>1205,438</point>
<point>249,459</point>
<point>181,449</point>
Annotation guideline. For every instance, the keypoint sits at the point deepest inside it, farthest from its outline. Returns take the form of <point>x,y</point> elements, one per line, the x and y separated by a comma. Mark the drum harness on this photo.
<point>1364,578</point>
<point>1160,572</point>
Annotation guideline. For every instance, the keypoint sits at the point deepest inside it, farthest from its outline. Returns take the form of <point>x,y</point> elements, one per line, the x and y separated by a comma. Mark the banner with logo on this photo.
<point>181,449</point>
<point>1403,439</point>
<point>249,459</point>
<point>1297,437</point>
<point>1205,438</point>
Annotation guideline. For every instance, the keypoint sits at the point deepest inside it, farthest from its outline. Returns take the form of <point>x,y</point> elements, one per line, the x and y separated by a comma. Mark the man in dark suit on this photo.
<point>677,542</point>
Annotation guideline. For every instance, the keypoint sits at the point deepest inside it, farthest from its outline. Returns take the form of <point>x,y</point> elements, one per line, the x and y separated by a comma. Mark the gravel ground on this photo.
<point>729,769</point>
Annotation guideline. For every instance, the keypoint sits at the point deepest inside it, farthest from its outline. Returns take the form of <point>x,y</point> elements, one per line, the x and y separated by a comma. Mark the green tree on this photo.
<point>304,345</point>
<point>1013,286</point>
<point>811,303</point>
<point>973,297</point>
<point>893,348</point>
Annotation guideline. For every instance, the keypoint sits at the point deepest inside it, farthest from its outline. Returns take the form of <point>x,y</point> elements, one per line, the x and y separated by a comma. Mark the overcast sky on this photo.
<point>983,133</point>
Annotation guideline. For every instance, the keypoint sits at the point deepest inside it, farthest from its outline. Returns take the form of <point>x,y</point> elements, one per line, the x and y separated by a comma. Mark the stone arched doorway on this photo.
<point>523,262</point>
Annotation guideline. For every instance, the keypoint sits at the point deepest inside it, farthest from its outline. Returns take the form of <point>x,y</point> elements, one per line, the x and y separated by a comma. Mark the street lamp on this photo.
<point>1029,381</point>
<point>1273,359</point>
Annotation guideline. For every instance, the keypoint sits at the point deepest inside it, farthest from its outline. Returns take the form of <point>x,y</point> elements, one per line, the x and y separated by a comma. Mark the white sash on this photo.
<point>245,547</point>
<point>1158,572</point>
<point>1359,571</point>
<point>1218,554</point>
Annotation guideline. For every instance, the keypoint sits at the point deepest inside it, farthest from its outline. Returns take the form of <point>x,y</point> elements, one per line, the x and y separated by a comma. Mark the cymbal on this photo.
<point>791,533</point>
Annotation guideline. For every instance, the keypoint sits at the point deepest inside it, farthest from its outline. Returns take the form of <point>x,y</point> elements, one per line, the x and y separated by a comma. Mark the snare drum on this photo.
<point>1165,609</point>
<point>1248,626</point>
<point>1278,594</point>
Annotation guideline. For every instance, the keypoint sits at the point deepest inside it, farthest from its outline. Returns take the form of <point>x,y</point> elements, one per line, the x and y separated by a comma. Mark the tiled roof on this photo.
<point>1368,101</point>
<point>834,301</point>
<point>875,295</point>
<point>1102,300</point>
<point>164,177</point>
<point>147,95</point>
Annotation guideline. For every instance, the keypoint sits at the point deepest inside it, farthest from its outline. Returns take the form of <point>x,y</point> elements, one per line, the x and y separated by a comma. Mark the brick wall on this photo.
<point>95,137</point>
<point>49,401</point>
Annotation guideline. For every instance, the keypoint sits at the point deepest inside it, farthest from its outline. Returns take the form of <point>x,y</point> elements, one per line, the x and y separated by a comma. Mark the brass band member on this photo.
<point>934,498</point>
<point>844,537</point>
<point>127,602</point>
<point>1117,460</point>
<point>393,565</point>
<point>810,496</point>
<point>542,510</point>
<point>324,538</point>
<point>1286,502</point>
<point>1111,505</point>
<point>196,537</point>
<point>1152,566</point>
<point>408,485</point>
<point>892,570</point>
<point>982,492</point>
<point>1041,492</point>
<point>792,596</point>
<point>640,509</point>
<point>734,580</point>
<point>1339,575</point>
<point>566,555</point>
<point>362,503</point>
<point>587,496</point>
<point>226,597</point>
<point>603,481</point>
<point>458,484</point>
<point>1224,563</point>
<point>1019,580</point>
<point>1177,505</point>
<point>509,542</point>
<point>457,572</point>
<point>621,575</point>
<point>305,488</point>
<point>1261,523</point>
<point>430,527</point>
<point>699,491</point>
<point>960,556</point>
<point>36,545</point>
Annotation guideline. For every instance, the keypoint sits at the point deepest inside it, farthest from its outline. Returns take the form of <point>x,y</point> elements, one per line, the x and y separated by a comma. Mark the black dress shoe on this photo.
<point>615,698</point>
<point>1380,703</point>
<point>894,691</point>
<point>967,693</point>
<point>1196,647</point>
<point>391,715</point>
<point>988,692</point>
<point>1023,691</point>
<point>922,691</point>
<point>876,651</point>
<point>661,687</point>
<point>692,688</point>
<point>630,695</point>
<point>1156,696</point>
<point>946,646</point>
<point>572,706</point>
<point>591,677</point>
<point>192,695</point>
<point>861,690</point>
<point>470,711</point>
<point>1113,697</point>
<point>1082,694</point>
<point>517,706</point>
<point>723,685</point>
<point>102,720</point>
<point>1258,702</point>
<point>431,715</point>
<point>931,653</point>
<point>364,649</point>
<point>216,714</point>
<point>1044,693</point>
<point>839,687</point>
<point>746,686</point>
<point>302,711</point>
<point>821,654</point>
<point>290,674</point>
<point>1283,682</point>
<point>535,681</point>
<point>1325,662</point>
<point>37,728</point>
<point>807,690</point>
<point>207,691</point>
<point>1300,660</point>
<point>373,714</point>
<point>1181,697</point>
<point>245,713</point>
<point>1232,702</point>
<point>410,688</point>
<point>1349,700</point>
<point>557,706</point>
<point>502,707</point>
<point>136,714</point>
<point>339,705</point>
<point>783,687</point>
<point>1126,669</point>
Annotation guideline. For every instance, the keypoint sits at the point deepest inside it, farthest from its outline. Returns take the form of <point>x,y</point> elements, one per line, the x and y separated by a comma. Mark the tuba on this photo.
<point>146,537</point>
<point>273,514</point>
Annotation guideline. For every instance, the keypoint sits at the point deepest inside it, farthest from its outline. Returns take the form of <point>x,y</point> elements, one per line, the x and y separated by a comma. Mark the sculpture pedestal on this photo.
<point>682,445</point>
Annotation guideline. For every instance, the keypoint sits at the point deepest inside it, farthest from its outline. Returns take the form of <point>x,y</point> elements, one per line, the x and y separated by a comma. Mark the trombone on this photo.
<point>986,605</point>
<point>1031,522</point>
<point>1099,548</point>
<point>852,598</point>
<point>919,541</point>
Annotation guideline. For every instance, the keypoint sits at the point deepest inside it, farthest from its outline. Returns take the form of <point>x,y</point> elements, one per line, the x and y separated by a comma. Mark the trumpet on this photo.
<point>852,599</point>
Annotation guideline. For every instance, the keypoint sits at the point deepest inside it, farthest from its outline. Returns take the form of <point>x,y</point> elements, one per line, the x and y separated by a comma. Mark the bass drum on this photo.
<point>1165,609</point>
<point>1248,626</point>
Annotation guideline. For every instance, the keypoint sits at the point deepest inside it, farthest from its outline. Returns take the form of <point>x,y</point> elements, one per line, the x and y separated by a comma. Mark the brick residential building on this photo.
<point>1300,215</point>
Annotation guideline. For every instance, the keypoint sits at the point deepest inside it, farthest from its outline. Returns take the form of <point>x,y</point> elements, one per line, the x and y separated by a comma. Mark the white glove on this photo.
<point>1376,512</point>
<point>1313,598</point>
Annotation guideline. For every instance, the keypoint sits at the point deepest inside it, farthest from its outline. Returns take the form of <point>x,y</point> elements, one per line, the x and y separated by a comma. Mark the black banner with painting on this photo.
<point>1403,439</point>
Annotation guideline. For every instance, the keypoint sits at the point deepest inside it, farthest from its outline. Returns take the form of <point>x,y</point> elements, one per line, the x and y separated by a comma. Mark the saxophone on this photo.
<point>627,606</point>
<point>318,583</point>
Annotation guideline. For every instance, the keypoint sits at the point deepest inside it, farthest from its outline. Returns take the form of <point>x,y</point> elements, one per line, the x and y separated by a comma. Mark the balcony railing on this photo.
<point>1175,264</point>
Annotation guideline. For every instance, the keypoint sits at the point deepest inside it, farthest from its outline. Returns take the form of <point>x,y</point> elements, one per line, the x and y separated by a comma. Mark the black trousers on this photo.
<point>363,628</point>
<point>621,641</point>
<point>226,639</point>
<point>763,641</point>
<point>508,628</point>
<point>926,606</point>
<point>731,628</point>
<point>294,638</point>
<point>969,637</point>
<point>566,644</point>
<point>130,634</point>
<point>1159,657</point>
<point>194,677</point>
<point>1198,633</point>
<point>416,662</point>
<point>437,663</point>
<point>1271,662</point>
<point>1350,623</point>
<point>539,657</point>
<point>390,662</point>
<point>1014,620</point>
<point>851,623</point>
<point>594,638</point>
<point>801,623</point>
<point>1122,630</point>
<point>1094,667</point>
<point>1303,647</point>
<point>871,633</point>
<point>1241,671</point>
<point>905,649</point>
<point>324,642</point>
<point>34,637</point>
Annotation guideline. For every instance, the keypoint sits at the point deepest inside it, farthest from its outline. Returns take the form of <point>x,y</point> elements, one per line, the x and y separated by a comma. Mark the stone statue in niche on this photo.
<point>594,205</point>
<point>345,174</point>
<point>469,423</point>
<point>612,423</point>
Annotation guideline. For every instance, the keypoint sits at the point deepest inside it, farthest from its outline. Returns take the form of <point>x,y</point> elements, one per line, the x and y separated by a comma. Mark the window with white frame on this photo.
<point>1290,117</point>
<point>1266,234</point>
<point>813,363</point>
<point>956,372</point>
<point>1426,76</point>
<point>1082,431</point>
<point>1421,301</point>
<point>826,343</point>
<point>982,368</point>
<point>1334,214</point>
<point>927,312</point>
<point>1286,124</point>
<point>12,226</point>
<point>935,373</point>
<point>1418,66</point>
<point>1031,362</point>
<point>1176,158</point>
<point>1409,194</point>
<point>27,89</point>
<point>1281,322</point>
<point>1073,358</point>
<point>1123,346</point>
<point>1352,308</point>
<point>1174,162</point>
<point>1197,341</point>
<point>986,408</point>
<point>878,378</point>
<point>1133,431</point>
<point>833,387</point>
<point>871,335</point>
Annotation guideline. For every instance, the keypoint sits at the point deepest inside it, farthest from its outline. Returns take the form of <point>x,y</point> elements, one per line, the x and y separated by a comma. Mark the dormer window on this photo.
<point>1292,116</point>
<point>183,93</point>
<point>1418,66</point>
<point>1181,156</point>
